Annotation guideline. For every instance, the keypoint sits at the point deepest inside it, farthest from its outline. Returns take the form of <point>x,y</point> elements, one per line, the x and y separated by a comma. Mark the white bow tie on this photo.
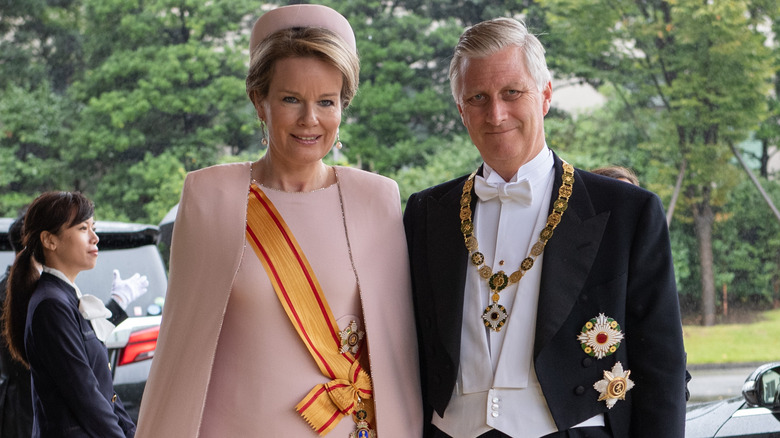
<point>519,192</point>
<point>92,309</point>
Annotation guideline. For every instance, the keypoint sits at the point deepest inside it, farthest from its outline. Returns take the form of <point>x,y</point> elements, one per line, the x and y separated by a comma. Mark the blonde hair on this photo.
<point>302,42</point>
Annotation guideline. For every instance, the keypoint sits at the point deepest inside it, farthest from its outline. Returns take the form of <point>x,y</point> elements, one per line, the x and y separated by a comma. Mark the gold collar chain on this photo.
<point>495,315</point>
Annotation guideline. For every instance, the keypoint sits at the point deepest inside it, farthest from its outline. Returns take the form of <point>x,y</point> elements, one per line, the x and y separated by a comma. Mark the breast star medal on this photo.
<point>495,315</point>
<point>600,336</point>
<point>350,338</point>
<point>614,385</point>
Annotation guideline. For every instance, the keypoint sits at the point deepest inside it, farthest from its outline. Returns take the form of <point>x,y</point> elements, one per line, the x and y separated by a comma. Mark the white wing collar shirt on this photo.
<point>497,386</point>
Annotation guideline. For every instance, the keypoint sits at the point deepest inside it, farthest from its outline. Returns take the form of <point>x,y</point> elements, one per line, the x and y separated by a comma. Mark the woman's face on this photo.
<point>73,249</point>
<point>302,111</point>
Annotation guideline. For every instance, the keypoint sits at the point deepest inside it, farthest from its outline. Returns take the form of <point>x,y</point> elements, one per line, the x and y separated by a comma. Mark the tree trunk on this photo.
<point>675,194</point>
<point>703,218</point>
<point>764,171</point>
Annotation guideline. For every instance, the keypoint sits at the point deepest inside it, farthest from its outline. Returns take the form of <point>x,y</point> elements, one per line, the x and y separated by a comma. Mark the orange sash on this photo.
<point>300,294</point>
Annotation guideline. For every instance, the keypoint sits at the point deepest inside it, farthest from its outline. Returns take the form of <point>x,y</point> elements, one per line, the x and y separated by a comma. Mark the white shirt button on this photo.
<point>494,414</point>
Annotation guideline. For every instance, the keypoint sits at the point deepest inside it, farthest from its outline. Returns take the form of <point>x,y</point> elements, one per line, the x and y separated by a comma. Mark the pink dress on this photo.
<point>228,362</point>
<point>255,321</point>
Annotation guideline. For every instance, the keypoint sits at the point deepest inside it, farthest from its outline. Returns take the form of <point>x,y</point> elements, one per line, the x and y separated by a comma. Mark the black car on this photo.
<point>129,248</point>
<point>756,414</point>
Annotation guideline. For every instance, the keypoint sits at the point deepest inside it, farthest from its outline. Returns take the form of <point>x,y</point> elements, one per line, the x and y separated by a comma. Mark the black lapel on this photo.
<point>447,262</point>
<point>568,258</point>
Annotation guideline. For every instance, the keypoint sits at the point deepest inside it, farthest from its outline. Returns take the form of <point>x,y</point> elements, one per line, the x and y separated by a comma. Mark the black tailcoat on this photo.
<point>610,254</point>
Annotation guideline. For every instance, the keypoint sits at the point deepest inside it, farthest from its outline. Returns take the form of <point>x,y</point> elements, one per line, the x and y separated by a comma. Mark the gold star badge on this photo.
<point>614,385</point>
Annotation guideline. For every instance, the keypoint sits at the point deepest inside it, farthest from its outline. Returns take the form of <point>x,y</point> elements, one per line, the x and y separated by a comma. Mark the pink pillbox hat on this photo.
<point>287,17</point>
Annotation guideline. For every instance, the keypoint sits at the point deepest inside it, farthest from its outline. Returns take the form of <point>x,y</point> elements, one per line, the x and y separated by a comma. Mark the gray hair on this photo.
<point>489,37</point>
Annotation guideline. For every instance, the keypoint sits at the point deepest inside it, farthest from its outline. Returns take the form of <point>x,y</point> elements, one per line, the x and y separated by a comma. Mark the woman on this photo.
<point>289,310</point>
<point>58,332</point>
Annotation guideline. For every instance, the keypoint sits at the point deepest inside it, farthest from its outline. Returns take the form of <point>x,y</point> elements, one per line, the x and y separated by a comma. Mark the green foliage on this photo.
<point>41,43</point>
<point>33,124</point>
<point>768,131</point>
<point>615,134</point>
<point>156,88</point>
<point>748,248</point>
<point>404,93</point>
<point>703,67</point>
<point>121,98</point>
<point>467,12</point>
<point>146,193</point>
<point>174,82</point>
<point>449,160</point>
<point>686,266</point>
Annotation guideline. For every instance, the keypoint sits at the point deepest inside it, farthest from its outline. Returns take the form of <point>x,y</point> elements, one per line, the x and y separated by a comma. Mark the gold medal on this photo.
<point>362,428</point>
<point>614,385</point>
<point>362,431</point>
<point>495,315</point>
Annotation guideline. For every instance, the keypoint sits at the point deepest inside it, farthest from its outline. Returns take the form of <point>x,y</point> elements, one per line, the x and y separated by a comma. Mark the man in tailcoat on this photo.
<point>545,296</point>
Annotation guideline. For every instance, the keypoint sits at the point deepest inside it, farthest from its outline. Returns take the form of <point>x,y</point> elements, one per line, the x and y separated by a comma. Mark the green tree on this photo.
<point>467,12</point>
<point>452,159</point>
<point>748,247</point>
<point>159,90</point>
<point>33,125</point>
<point>40,56</point>
<point>702,65</point>
<point>768,132</point>
<point>404,94</point>
<point>745,243</point>
<point>41,44</point>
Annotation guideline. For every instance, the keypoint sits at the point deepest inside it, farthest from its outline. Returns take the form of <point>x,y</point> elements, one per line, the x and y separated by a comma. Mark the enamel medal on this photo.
<point>362,429</point>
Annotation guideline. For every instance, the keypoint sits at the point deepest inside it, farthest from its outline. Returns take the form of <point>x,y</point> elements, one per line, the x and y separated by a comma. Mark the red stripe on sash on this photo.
<point>333,331</point>
<point>305,304</point>
<point>289,302</point>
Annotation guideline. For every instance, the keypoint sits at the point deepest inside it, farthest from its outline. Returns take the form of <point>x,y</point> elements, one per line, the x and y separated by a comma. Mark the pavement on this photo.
<point>718,381</point>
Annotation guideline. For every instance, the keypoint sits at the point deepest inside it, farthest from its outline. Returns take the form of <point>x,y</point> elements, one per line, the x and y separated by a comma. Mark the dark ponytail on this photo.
<point>21,282</point>
<point>51,211</point>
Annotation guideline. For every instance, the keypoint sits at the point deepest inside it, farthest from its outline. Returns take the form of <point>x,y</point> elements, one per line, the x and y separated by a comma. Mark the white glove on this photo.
<point>126,291</point>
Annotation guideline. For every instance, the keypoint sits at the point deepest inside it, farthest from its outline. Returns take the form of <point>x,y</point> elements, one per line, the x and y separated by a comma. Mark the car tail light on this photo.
<point>140,346</point>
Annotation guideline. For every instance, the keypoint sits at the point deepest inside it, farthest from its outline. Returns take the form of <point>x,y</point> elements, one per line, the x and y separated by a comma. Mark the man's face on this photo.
<point>503,109</point>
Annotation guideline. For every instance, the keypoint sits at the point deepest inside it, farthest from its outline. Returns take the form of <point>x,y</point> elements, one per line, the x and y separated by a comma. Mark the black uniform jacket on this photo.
<point>73,391</point>
<point>610,254</point>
